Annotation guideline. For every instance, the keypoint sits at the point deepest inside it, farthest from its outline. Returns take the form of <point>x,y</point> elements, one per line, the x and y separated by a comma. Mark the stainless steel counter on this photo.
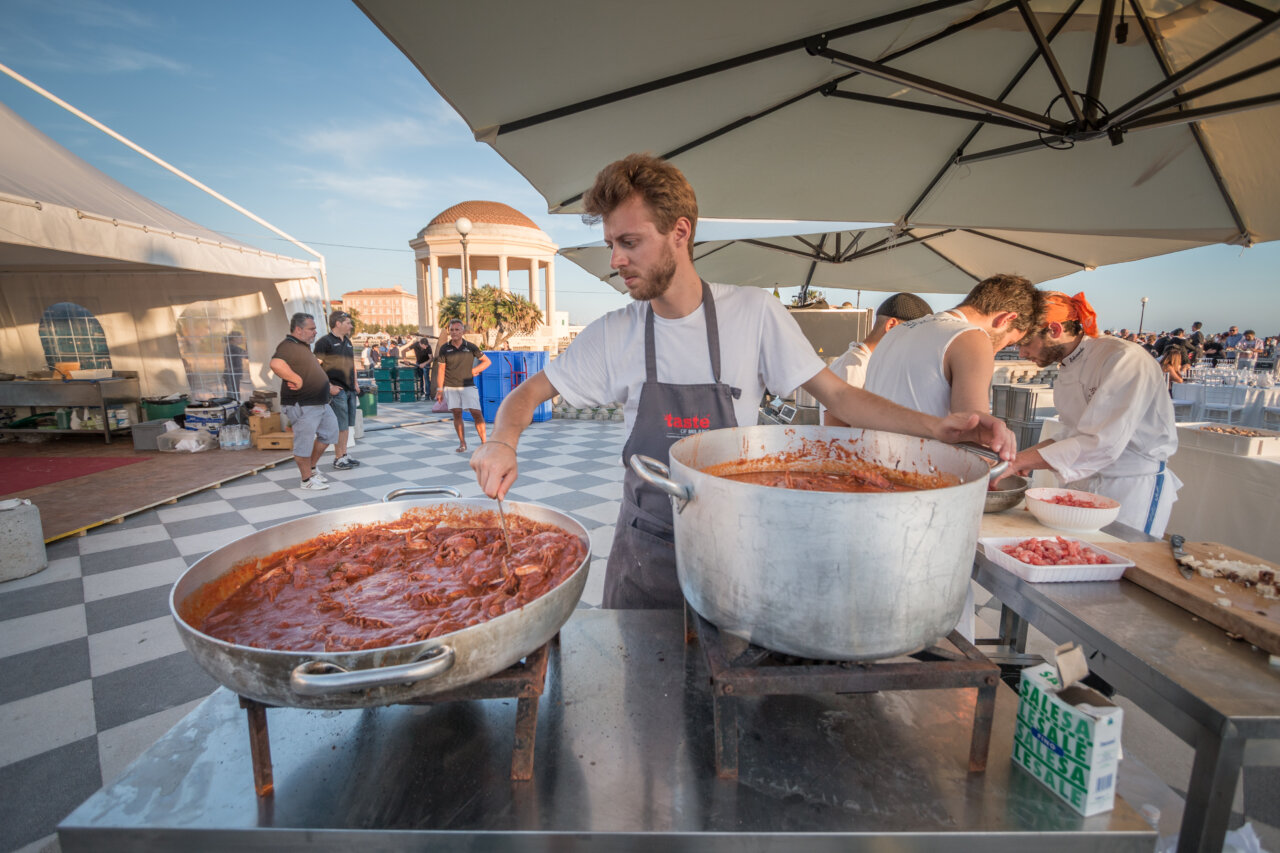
<point>624,761</point>
<point>1215,693</point>
<point>100,394</point>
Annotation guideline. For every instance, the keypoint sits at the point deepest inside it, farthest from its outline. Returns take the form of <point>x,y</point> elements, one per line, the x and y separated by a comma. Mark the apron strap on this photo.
<point>1155,500</point>
<point>713,338</point>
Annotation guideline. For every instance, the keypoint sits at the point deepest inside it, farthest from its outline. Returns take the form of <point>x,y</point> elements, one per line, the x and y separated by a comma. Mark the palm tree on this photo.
<point>492,311</point>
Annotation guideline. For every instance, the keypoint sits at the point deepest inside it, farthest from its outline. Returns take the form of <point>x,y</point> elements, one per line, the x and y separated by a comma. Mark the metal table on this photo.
<point>1215,693</point>
<point>98,394</point>
<point>624,761</point>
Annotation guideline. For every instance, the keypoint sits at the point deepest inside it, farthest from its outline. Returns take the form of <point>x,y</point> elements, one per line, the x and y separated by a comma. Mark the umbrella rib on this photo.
<point>1026,118</point>
<point>723,65</point>
<point>1247,8</point>
<point>1017,78</point>
<point>1098,60</point>
<point>1217,110</point>
<point>879,247</point>
<point>1191,95</point>
<point>1055,70</point>
<point>1027,248</point>
<point>951,262</point>
<point>816,255</point>
<point>1148,32</point>
<point>1223,52</point>
<point>896,103</point>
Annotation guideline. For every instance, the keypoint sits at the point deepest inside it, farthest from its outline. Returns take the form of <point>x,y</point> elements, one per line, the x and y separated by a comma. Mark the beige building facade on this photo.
<point>383,306</point>
<point>501,239</point>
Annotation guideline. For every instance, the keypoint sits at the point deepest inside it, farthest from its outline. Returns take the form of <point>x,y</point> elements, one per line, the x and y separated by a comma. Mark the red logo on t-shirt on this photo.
<point>694,423</point>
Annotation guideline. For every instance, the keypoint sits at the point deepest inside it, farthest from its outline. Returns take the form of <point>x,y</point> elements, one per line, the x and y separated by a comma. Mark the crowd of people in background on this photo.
<point>1179,349</point>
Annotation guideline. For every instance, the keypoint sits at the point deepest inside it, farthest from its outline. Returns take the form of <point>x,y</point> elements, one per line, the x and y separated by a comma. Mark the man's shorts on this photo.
<point>345,405</point>
<point>311,424</point>
<point>462,398</point>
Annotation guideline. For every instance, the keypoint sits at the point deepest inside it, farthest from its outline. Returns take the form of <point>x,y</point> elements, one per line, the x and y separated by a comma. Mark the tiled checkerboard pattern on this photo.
<point>92,670</point>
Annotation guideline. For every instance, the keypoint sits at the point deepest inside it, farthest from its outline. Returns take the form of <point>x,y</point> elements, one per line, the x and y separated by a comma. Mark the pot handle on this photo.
<point>998,470</point>
<point>319,677</point>
<point>658,475</point>
<point>425,490</point>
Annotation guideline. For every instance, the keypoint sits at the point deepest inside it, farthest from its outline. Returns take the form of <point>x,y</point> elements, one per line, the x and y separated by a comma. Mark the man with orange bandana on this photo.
<point>1112,398</point>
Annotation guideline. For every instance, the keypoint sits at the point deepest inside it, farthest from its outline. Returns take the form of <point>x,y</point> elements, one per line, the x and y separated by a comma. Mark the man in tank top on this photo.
<point>943,363</point>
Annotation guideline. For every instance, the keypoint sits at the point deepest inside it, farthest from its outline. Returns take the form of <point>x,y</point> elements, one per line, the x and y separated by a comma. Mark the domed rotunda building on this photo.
<point>501,238</point>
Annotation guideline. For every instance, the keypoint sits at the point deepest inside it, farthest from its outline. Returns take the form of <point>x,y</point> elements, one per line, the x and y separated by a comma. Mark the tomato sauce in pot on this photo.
<point>826,467</point>
<point>375,585</point>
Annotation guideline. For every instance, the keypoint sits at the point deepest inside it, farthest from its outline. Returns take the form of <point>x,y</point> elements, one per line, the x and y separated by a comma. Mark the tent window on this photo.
<point>69,332</point>
<point>214,353</point>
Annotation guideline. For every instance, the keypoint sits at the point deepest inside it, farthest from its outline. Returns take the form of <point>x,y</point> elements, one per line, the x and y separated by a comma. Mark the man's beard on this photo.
<point>659,279</point>
<point>1051,354</point>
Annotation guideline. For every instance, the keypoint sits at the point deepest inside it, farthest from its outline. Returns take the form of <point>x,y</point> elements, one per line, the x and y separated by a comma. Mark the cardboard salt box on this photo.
<point>1068,735</point>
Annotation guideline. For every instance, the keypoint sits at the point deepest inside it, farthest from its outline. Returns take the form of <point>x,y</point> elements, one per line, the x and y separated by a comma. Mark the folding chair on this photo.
<point>1220,406</point>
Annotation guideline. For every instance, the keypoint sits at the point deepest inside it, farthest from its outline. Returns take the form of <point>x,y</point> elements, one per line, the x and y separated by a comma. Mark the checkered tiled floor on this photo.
<point>92,671</point>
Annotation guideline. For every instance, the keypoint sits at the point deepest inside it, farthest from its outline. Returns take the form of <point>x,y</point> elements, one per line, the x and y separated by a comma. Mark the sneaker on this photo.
<point>315,484</point>
<point>316,475</point>
<point>344,463</point>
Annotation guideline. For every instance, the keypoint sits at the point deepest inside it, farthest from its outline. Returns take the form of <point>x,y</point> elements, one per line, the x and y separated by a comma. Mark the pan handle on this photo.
<point>319,678</point>
<point>658,475</point>
<point>425,490</point>
<point>998,470</point>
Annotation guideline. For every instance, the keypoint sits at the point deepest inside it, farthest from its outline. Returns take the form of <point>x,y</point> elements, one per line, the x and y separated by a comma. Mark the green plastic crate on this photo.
<point>406,394</point>
<point>386,396</point>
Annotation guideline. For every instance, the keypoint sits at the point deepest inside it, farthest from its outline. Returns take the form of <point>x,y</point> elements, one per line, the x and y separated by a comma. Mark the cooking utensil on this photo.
<point>1185,568</point>
<point>998,500</point>
<point>826,575</point>
<point>502,517</point>
<point>388,675</point>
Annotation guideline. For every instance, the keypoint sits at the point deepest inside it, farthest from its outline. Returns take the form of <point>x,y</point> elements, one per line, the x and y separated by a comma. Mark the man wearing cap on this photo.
<point>338,358</point>
<point>851,366</point>
<point>1112,399</point>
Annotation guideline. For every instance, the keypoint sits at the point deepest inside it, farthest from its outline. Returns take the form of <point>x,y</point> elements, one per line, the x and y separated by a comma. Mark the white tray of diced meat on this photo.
<point>1052,559</point>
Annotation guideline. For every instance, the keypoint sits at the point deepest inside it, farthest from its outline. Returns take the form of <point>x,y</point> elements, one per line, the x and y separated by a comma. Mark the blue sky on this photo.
<point>308,116</point>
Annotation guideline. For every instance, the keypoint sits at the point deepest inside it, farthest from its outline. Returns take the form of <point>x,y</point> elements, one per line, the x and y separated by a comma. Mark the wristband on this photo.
<point>503,443</point>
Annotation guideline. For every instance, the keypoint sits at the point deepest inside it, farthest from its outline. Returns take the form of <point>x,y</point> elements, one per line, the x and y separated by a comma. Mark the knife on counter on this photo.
<point>1185,566</point>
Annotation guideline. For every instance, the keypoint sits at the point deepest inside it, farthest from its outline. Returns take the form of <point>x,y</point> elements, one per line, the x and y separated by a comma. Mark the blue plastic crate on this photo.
<point>488,410</point>
<point>534,361</point>
<point>542,413</point>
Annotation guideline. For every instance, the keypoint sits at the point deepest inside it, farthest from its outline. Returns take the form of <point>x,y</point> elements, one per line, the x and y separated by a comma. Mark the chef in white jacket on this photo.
<point>1114,403</point>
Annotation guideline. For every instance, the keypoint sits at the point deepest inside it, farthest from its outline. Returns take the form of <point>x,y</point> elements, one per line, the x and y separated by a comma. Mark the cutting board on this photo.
<point>1251,616</point>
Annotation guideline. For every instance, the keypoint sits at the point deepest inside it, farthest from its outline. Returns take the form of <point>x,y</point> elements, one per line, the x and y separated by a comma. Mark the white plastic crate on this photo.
<point>1113,570</point>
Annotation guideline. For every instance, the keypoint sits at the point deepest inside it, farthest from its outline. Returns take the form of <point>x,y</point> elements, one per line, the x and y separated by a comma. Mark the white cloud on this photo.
<point>114,58</point>
<point>397,191</point>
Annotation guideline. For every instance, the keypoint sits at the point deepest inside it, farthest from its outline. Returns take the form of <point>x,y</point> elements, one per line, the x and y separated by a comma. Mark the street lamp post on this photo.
<point>1142,314</point>
<point>463,224</point>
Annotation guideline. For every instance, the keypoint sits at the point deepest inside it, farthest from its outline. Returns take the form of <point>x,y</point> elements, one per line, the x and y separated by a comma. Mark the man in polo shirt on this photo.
<point>338,358</point>
<point>304,393</point>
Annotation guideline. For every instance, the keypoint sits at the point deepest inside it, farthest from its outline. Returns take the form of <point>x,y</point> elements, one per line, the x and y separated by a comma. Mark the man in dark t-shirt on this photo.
<point>420,353</point>
<point>304,394</point>
<point>457,364</point>
<point>338,358</point>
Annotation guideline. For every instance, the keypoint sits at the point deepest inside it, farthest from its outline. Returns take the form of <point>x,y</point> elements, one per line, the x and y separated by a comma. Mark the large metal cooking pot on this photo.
<point>826,575</point>
<point>383,676</point>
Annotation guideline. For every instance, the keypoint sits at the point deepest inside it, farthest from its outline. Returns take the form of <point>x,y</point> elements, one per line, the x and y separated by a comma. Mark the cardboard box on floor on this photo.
<point>274,441</point>
<point>1068,737</point>
<point>264,424</point>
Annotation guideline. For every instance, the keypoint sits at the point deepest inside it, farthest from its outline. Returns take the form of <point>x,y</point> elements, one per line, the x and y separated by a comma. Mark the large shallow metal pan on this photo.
<point>383,676</point>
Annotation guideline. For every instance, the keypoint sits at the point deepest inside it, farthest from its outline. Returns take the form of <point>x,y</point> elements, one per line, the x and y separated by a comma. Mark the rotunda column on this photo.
<point>424,295</point>
<point>433,295</point>
<point>533,282</point>
<point>502,274</point>
<point>551,294</point>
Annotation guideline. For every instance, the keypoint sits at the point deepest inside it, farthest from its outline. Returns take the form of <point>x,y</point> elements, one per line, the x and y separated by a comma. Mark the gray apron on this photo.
<point>641,572</point>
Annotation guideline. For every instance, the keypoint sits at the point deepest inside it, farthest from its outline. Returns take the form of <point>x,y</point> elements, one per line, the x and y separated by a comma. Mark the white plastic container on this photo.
<point>21,540</point>
<point>993,547</point>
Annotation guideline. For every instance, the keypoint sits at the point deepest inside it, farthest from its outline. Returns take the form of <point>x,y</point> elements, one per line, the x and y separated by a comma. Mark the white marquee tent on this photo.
<point>69,233</point>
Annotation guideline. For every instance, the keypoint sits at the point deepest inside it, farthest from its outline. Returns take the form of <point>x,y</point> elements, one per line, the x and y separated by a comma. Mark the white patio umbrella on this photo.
<point>923,260</point>
<point>1151,118</point>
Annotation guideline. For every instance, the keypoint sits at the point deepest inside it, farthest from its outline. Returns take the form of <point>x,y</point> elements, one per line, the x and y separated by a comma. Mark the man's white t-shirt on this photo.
<point>761,346</point>
<point>851,367</point>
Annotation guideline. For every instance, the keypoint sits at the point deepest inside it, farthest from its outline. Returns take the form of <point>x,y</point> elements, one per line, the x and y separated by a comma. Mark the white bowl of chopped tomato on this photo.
<point>1054,559</point>
<point>1071,510</point>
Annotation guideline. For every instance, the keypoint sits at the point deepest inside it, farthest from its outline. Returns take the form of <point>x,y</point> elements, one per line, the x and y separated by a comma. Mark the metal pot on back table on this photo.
<point>382,676</point>
<point>826,575</point>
